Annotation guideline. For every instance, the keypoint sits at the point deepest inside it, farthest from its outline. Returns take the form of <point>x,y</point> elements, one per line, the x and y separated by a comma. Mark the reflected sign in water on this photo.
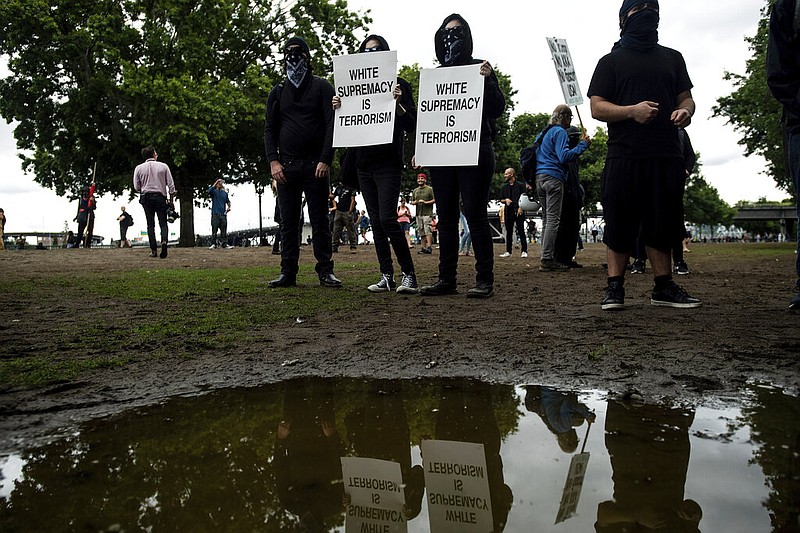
<point>438,455</point>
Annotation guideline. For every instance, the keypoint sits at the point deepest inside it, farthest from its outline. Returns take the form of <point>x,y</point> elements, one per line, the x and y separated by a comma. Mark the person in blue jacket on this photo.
<point>551,177</point>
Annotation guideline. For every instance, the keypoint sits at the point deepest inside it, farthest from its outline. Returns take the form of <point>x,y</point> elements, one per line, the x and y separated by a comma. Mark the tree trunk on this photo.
<point>186,197</point>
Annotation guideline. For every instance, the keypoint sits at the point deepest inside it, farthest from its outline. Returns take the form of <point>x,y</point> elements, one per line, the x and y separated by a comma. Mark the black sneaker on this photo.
<point>638,266</point>
<point>673,295</point>
<point>439,288</point>
<point>164,252</point>
<point>480,291</point>
<point>681,268</point>
<point>386,284</point>
<point>614,296</point>
<point>408,285</point>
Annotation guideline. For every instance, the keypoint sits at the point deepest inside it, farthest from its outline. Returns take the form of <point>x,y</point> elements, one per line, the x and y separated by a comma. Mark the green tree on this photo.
<point>752,110</point>
<point>95,81</point>
<point>702,203</point>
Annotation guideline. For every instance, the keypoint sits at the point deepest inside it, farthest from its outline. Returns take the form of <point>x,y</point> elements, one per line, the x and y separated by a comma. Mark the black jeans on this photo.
<point>568,228</point>
<point>380,190</point>
<point>85,224</point>
<point>155,204</point>
<point>518,222</point>
<point>470,185</point>
<point>300,179</point>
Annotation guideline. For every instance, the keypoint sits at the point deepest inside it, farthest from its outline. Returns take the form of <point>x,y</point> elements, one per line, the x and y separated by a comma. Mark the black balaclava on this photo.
<point>297,61</point>
<point>453,47</point>
<point>384,47</point>
<point>639,31</point>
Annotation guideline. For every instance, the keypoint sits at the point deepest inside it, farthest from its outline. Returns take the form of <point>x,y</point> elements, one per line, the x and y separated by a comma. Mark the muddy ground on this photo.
<point>544,328</point>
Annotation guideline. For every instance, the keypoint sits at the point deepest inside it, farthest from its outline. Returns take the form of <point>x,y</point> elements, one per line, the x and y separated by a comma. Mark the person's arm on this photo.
<point>326,157</point>
<point>352,204</point>
<point>605,111</point>
<point>682,116</point>
<point>170,183</point>
<point>494,103</point>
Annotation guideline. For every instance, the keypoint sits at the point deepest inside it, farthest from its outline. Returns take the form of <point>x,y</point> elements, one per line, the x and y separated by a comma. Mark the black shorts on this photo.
<point>644,194</point>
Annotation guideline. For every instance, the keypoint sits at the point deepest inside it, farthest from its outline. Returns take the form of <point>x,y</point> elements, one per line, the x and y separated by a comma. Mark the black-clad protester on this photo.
<point>570,223</point>
<point>298,137</point>
<point>379,172</point>
<point>470,184</point>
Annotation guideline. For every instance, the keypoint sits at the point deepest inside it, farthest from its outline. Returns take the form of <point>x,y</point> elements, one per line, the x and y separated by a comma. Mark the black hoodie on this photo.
<point>389,156</point>
<point>494,103</point>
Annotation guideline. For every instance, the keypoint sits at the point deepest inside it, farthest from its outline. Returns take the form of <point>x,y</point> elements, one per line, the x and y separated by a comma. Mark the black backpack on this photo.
<point>129,220</point>
<point>527,157</point>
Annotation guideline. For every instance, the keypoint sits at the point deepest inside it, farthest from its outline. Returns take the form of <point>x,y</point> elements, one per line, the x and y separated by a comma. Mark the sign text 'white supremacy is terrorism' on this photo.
<point>449,116</point>
<point>365,82</point>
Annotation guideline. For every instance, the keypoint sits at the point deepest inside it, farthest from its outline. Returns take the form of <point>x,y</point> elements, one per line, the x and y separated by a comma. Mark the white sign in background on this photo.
<point>457,486</point>
<point>449,116</point>
<point>565,70</point>
<point>365,83</point>
<point>376,495</point>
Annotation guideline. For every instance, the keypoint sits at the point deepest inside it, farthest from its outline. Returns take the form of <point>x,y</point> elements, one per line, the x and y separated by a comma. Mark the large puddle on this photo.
<point>423,455</point>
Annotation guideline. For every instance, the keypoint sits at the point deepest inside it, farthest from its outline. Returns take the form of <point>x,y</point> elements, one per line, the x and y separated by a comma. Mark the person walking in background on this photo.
<point>423,199</point>
<point>364,225</point>
<point>551,177</point>
<point>220,205</point>
<point>343,219</point>
<point>2,229</point>
<point>466,237</point>
<point>298,138</point>
<point>783,78</point>
<point>125,221</point>
<point>568,238</point>
<point>153,181</point>
<point>513,216</point>
<point>404,219</point>
<point>85,216</point>
<point>643,91</point>
<point>470,184</point>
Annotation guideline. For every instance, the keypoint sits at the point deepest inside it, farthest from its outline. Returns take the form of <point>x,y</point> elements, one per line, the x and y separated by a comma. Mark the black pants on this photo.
<point>470,185</point>
<point>300,179</point>
<point>380,190</point>
<point>155,204</point>
<point>85,223</point>
<point>567,236</point>
<point>518,222</point>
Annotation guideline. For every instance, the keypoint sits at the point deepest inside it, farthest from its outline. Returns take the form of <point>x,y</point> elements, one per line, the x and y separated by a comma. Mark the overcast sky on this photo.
<point>511,35</point>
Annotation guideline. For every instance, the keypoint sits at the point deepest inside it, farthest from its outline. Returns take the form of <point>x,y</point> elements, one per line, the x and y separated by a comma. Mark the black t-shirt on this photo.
<point>627,77</point>
<point>513,192</point>
<point>345,196</point>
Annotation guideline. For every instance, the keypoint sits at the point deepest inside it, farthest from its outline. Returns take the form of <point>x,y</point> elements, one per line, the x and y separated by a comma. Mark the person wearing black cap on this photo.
<point>783,79</point>
<point>379,171</point>
<point>298,137</point>
<point>453,184</point>
<point>643,91</point>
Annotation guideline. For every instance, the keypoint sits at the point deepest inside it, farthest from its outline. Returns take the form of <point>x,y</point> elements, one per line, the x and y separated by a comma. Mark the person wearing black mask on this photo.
<point>298,137</point>
<point>643,91</point>
<point>453,43</point>
<point>378,170</point>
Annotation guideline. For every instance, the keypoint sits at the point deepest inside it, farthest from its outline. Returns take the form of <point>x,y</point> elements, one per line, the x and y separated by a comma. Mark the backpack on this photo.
<point>129,221</point>
<point>527,157</point>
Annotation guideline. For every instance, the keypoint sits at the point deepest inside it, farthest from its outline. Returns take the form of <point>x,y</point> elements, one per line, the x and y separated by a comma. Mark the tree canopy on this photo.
<point>95,81</point>
<point>752,110</point>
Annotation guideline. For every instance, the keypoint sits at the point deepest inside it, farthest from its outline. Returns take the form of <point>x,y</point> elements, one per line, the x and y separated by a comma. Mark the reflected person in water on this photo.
<point>378,429</point>
<point>649,450</point>
<point>307,455</point>
<point>466,414</point>
<point>561,412</point>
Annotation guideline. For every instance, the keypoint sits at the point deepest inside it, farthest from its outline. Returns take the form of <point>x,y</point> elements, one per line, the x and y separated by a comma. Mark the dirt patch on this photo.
<point>543,328</point>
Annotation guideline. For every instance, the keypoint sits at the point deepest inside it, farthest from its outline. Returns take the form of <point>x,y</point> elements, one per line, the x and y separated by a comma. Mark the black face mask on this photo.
<point>640,31</point>
<point>454,40</point>
<point>296,67</point>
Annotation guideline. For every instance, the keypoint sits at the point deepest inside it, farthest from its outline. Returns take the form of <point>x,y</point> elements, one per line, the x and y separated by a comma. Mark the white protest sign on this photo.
<point>449,116</point>
<point>376,495</point>
<point>365,83</point>
<point>572,487</point>
<point>457,486</point>
<point>565,70</point>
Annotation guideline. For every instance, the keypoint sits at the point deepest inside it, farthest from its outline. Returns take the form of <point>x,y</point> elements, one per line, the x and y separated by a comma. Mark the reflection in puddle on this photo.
<point>436,455</point>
